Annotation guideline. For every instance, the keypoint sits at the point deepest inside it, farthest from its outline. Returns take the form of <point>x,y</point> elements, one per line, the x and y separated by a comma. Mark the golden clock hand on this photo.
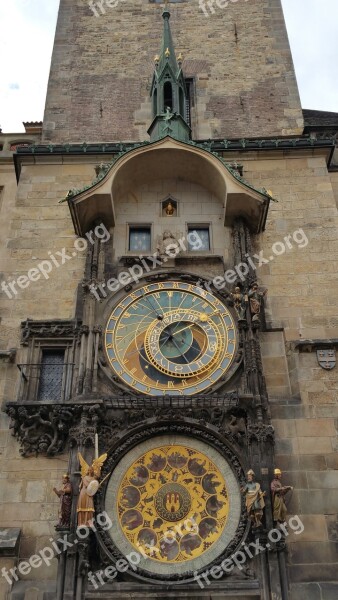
<point>160,317</point>
<point>192,345</point>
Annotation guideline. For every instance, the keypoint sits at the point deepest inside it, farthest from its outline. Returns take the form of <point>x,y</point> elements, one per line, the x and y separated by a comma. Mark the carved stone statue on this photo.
<point>66,496</point>
<point>168,246</point>
<point>88,488</point>
<point>240,303</point>
<point>256,296</point>
<point>237,426</point>
<point>278,494</point>
<point>254,499</point>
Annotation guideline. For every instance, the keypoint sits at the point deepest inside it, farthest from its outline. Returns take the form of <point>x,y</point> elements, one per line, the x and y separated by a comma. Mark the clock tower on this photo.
<point>171,343</point>
<point>171,366</point>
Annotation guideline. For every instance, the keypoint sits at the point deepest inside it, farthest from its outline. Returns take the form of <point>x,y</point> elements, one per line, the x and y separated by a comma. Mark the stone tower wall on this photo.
<point>239,58</point>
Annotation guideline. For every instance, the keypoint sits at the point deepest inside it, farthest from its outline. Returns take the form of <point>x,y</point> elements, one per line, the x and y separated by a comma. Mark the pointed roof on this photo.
<point>167,54</point>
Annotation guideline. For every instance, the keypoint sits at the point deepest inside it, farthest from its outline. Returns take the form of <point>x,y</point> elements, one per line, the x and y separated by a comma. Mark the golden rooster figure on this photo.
<point>89,485</point>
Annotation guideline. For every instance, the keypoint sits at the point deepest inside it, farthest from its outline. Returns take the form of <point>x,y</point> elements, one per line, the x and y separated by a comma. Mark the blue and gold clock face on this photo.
<point>170,338</point>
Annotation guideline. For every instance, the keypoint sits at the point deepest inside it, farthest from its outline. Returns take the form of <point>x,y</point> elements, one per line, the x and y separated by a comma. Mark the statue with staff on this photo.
<point>279,492</point>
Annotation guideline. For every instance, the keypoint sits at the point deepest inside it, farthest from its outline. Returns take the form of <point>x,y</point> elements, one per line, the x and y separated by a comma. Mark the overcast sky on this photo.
<point>26,41</point>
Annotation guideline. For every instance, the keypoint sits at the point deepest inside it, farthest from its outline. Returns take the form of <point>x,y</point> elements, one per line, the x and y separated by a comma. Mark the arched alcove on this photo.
<point>166,159</point>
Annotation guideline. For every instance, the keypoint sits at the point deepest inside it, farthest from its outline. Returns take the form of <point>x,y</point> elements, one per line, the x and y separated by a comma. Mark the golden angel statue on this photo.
<point>89,485</point>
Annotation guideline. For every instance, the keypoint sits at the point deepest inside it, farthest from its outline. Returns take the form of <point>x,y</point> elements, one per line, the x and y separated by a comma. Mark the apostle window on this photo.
<point>139,239</point>
<point>198,238</point>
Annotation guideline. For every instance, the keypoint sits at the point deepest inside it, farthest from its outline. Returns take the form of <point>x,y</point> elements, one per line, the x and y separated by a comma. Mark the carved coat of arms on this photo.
<point>327,359</point>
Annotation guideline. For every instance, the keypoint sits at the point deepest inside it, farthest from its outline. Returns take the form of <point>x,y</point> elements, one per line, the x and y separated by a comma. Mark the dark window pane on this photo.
<point>168,96</point>
<point>139,239</point>
<point>51,374</point>
<point>199,241</point>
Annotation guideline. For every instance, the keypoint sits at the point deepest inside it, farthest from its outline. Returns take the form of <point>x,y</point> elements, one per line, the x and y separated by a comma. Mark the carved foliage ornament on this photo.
<point>44,329</point>
<point>45,429</point>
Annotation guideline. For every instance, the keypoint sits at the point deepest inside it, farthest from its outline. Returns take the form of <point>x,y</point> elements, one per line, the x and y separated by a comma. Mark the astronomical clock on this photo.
<point>175,497</point>
<point>171,338</point>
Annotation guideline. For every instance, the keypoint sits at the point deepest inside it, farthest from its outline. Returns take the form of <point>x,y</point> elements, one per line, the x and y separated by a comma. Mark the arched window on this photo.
<point>168,95</point>
<point>155,103</point>
<point>182,103</point>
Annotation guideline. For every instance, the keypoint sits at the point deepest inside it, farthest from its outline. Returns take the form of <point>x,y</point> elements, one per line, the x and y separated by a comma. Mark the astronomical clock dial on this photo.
<point>170,338</point>
<point>167,486</point>
<point>176,502</point>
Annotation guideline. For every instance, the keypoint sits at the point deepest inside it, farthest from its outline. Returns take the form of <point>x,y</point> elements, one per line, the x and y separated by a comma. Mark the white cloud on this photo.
<point>27,35</point>
<point>26,42</point>
<point>313,32</point>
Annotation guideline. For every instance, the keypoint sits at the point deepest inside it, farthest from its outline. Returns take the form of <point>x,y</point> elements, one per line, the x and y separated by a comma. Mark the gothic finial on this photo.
<point>167,54</point>
<point>168,90</point>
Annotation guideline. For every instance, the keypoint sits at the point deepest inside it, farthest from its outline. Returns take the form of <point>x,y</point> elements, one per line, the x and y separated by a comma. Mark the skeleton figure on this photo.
<point>240,303</point>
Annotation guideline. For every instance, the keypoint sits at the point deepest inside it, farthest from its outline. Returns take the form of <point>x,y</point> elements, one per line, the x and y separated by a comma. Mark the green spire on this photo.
<point>168,91</point>
<point>167,55</point>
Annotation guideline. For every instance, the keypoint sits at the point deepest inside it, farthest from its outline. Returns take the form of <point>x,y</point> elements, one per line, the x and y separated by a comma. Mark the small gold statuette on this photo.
<point>278,494</point>
<point>170,209</point>
<point>89,485</point>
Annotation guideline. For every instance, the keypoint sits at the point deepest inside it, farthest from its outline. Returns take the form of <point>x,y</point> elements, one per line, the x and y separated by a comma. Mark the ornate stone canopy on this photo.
<point>189,162</point>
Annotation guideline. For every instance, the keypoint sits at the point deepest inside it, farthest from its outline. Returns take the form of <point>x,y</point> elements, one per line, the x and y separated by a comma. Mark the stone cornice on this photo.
<point>311,345</point>
<point>67,152</point>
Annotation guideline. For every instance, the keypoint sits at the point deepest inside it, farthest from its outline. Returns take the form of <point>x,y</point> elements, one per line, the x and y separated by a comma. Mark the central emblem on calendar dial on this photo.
<point>170,338</point>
